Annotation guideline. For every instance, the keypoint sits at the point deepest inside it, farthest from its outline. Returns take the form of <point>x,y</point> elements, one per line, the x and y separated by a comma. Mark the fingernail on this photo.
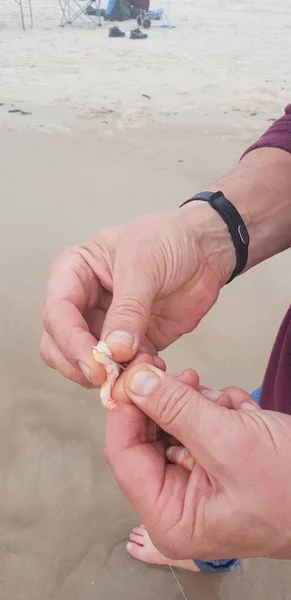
<point>143,383</point>
<point>248,406</point>
<point>120,337</point>
<point>85,370</point>
<point>211,394</point>
<point>129,546</point>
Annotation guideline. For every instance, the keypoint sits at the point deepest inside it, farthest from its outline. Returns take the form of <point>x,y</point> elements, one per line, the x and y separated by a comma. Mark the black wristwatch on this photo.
<point>234,222</point>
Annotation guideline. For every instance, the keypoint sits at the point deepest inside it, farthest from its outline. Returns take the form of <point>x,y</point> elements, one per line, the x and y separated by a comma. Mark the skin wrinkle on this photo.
<point>101,245</point>
<point>65,368</point>
<point>214,261</point>
<point>270,435</point>
<point>82,304</point>
<point>199,493</point>
<point>143,246</point>
<point>151,271</point>
<point>48,325</point>
<point>169,407</point>
<point>184,248</point>
<point>160,322</point>
<point>89,279</point>
<point>78,262</point>
<point>130,306</point>
<point>156,318</point>
<point>98,265</point>
<point>161,272</point>
<point>259,421</point>
<point>46,313</point>
<point>73,268</point>
<point>169,260</point>
<point>197,505</point>
<point>184,521</point>
<point>164,533</point>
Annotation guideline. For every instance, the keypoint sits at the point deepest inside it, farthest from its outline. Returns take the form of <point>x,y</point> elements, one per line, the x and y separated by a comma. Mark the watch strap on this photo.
<point>236,226</point>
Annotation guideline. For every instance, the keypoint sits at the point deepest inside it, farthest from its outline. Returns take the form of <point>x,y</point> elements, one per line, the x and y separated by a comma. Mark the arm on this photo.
<point>260,187</point>
<point>144,284</point>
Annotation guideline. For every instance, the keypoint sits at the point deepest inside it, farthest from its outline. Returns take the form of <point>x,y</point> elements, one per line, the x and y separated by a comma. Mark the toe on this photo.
<point>139,531</point>
<point>141,547</point>
<point>135,550</point>
<point>137,539</point>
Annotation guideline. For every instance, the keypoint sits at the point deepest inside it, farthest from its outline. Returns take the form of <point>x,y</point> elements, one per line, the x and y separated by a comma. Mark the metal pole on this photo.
<point>22,14</point>
<point>30,13</point>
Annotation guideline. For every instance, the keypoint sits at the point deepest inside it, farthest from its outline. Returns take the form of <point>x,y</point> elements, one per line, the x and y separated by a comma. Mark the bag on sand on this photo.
<point>118,10</point>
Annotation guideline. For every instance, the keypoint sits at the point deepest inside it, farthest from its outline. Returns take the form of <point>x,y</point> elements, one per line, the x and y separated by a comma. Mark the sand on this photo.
<point>119,128</point>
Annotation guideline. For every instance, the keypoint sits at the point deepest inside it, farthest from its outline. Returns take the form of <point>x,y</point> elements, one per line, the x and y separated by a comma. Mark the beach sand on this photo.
<point>116,129</point>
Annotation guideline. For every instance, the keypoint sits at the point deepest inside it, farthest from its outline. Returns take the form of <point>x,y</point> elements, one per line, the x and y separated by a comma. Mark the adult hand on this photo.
<point>139,286</point>
<point>235,501</point>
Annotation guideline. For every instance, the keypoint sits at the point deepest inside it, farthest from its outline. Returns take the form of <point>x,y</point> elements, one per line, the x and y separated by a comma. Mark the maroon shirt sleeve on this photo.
<point>277,136</point>
<point>276,388</point>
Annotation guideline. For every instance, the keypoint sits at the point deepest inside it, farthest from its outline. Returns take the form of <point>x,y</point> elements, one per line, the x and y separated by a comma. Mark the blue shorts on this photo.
<point>223,566</point>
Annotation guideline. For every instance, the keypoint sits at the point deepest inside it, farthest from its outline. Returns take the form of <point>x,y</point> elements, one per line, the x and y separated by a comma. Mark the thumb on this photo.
<point>127,318</point>
<point>201,426</point>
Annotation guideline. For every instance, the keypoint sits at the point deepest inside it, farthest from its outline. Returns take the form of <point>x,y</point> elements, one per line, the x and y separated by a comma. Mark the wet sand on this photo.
<point>63,522</point>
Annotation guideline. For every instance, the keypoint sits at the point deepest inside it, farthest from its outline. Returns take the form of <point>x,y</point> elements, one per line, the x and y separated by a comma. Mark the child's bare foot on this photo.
<point>141,547</point>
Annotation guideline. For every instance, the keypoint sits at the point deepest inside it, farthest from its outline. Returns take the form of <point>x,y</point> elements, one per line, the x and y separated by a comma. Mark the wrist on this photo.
<point>260,188</point>
<point>213,240</point>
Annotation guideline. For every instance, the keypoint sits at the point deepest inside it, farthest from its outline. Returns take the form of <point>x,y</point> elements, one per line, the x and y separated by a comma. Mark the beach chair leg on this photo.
<point>63,5</point>
<point>30,13</point>
<point>98,8</point>
<point>19,2</point>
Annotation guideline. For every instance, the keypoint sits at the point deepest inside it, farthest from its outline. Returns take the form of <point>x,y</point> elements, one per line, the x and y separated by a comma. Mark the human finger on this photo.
<point>182,412</point>
<point>72,288</point>
<point>179,455</point>
<point>53,358</point>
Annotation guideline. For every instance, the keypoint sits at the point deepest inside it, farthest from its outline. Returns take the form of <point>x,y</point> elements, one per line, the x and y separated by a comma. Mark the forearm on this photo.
<point>260,188</point>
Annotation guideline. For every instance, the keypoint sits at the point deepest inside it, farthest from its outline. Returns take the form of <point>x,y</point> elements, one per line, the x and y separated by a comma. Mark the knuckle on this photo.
<point>43,354</point>
<point>66,255</point>
<point>172,402</point>
<point>57,265</point>
<point>128,306</point>
<point>234,391</point>
<point>46,317</point>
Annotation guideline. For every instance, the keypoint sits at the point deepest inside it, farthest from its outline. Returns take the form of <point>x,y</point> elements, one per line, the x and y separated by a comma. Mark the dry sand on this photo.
<point>119,128</point>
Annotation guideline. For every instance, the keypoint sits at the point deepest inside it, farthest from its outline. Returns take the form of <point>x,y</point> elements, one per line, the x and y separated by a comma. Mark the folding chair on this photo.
<point>78,9</point>
<point>23,11</point>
